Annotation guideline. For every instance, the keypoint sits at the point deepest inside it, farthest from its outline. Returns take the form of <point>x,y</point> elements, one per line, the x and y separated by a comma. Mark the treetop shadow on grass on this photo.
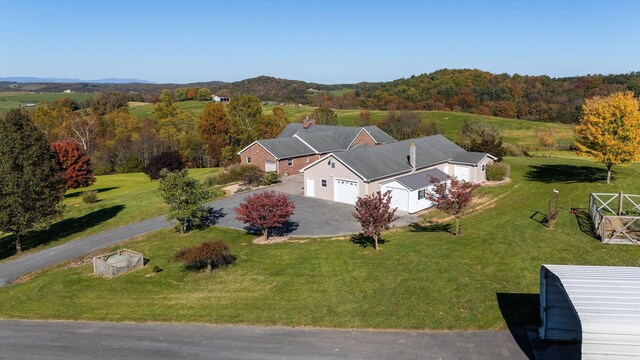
<point>79,192</point>
<point>59,230</point>
<point>366,241</point>
<point>560,173</point>
<point>284,230</point>
<point>212,217</point>
<point>521,313</point>
<point>432,226</point>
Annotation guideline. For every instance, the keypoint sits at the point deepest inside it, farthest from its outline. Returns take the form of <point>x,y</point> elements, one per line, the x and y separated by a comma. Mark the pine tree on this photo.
<point>31,186</point>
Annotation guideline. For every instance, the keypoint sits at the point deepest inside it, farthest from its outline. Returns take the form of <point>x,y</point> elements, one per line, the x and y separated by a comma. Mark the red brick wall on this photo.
<point>258,156</point>
<point>363,139</point>
<point>298,163</point>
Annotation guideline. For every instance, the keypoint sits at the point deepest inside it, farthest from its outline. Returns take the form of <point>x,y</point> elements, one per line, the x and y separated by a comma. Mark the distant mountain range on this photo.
<point>27,79</point>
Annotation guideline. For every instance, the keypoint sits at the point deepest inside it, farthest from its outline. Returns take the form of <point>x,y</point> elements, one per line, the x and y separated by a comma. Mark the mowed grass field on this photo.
<point>423,278</point>
<point>122,199</point>
<point>9,100</point>
<point>514,131</point>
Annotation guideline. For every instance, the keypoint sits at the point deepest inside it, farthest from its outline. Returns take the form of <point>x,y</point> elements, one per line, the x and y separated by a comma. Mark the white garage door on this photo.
<point>399,197</point>
<point>269,166</point>
<point>345,191</point>
<point>462,173</point>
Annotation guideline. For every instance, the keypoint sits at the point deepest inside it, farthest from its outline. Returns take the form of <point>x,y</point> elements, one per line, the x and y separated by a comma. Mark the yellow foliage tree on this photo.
<point>609,130</point>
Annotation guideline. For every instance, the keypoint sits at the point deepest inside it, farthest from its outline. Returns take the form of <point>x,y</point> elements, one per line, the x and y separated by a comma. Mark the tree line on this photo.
<point>118,142</point>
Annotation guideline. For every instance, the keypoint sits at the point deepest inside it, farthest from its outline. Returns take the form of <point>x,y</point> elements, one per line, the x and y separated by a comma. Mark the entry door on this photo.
<point>311,187</point>
<point>345,191</point>
<point>269,166</point>
<point>462,173</point>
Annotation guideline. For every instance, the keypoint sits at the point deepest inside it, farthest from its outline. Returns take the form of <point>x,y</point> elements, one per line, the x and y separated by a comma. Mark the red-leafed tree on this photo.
<point>265,210</point>
<point>74,164</point>
<point>452,197</point>
<point>374,213</point>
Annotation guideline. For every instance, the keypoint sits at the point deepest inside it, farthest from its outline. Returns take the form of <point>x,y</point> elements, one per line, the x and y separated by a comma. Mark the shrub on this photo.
<point>170,160</point>
<point>89,197</point>
<point>247,173</point>
<point>497,171</point>
<point>270,178</point>
<point>209,255</point>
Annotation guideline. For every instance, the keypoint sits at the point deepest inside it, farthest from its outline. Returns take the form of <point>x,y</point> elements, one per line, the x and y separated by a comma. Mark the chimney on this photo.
<point>412,157</point>
<point>308,122</point>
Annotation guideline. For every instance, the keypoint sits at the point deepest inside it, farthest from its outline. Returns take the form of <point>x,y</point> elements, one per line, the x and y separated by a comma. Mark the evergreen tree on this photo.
<point>31,186</point>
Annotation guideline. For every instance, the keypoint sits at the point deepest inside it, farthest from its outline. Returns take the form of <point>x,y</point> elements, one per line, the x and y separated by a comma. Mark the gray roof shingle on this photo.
<point>377,162</point>
<point>468,157</point>
<point>422,179</point>
<point>378,135</point>
<point>286,147</point>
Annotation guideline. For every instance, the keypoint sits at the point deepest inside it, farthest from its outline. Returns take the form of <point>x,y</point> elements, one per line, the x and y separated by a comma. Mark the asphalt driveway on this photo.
<point>312,218</point>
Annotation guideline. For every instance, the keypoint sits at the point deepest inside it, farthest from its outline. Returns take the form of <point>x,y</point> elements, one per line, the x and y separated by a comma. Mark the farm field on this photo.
<point>423,278</point>
<point>9,100</point>
<point>122,199</point>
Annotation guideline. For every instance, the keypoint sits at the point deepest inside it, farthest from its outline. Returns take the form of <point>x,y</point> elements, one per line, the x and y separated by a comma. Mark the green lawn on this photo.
<point>10,100</point>
<point>423,278</point>
<point>123,199</point>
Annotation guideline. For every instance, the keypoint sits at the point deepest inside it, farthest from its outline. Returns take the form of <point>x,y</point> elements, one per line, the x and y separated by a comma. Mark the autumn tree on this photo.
<point>31,186</point>
<point>546,139</point>
<point>74,163</point>
<point>169,160</point>
<point>265,210</point>
<point>83,129</point>
<point>374,213</point>
<point>609,130</point>
<point>203,94</point>
<point>185,196</point>
<point>481,136</point>
<point>244,113</point>
<point>364,118</point>
<point>452,197</point>
<point>325,116</point>
<point>271,125</point>
<point>213,128</point>
<point>165,107</point>
<point>209,255</point>
<point>401,125</point>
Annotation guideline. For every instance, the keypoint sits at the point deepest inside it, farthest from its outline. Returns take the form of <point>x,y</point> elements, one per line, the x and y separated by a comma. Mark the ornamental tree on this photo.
<point>374,213</point>
<point>186,196</point>
<point>609,130</point>
<point>265,210</point>
<point>168,160</point>
<point>31,186</point>
<point>452,198</point>
<point>74,164</point>
<point>212,254</point>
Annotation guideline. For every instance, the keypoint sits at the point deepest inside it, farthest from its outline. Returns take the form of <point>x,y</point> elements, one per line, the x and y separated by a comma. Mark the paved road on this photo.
<point>312,217</point>
<point>35,340</point>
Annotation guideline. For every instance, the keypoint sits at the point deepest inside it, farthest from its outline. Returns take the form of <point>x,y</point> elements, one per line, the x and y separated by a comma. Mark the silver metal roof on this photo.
<point>606,300</point>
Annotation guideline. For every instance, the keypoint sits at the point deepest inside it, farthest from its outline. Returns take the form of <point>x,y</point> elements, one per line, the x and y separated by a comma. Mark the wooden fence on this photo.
<point>616,217</point>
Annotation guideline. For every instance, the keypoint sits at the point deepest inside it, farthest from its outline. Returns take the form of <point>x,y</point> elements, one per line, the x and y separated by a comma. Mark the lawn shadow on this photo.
<point>585,222</point>
<point>212,217</point>
<point>366,241</point>
<point>287,228</point>
<point>539,217</point>
<point>432,226</point>
<point>552,173</point>
<point>79,192</point>
<point>59,230</point>
<point>521,313</point>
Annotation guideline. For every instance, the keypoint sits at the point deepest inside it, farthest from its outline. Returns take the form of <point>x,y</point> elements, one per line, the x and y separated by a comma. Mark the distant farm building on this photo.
<point>217,98</point>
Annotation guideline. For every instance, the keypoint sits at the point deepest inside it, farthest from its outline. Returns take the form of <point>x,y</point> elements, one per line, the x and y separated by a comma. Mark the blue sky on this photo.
<point>320,41</point>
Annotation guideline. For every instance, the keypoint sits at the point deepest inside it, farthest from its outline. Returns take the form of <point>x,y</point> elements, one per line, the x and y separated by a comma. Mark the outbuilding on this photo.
<point>409,192</point>
<point>598,306</point>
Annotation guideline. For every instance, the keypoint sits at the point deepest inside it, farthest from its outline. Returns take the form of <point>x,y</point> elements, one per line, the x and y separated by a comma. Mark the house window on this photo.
<point>333,165</point>
<point>421,194</point>
<point>484,167</point>
<point>289,162</point>
<point>323,183</point>
<point>248,159</point>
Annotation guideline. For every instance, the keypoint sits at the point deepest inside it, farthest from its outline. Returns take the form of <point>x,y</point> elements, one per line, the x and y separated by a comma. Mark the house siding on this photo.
<point>258,156</point>
<point>363,138</point>
<point>323,170</point>
<point>298,163</point>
